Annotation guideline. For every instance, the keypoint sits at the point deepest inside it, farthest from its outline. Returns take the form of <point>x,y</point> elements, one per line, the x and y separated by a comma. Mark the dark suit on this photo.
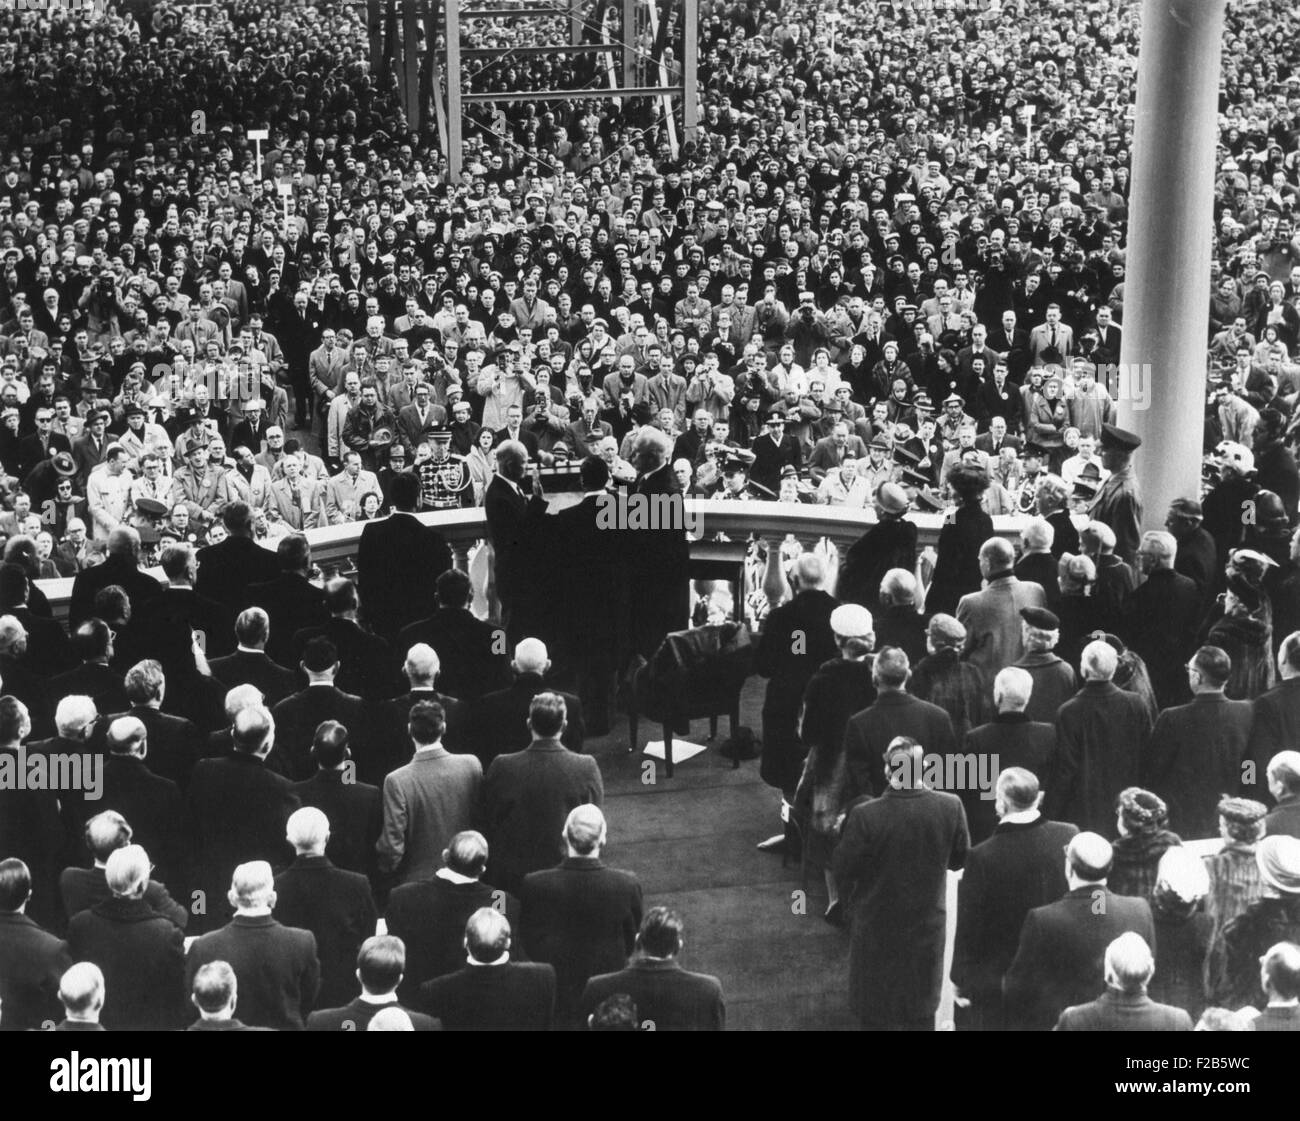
<point>142,956</point>
<point>430,917</point>
<point>227,571</point>
<point>892,867</point>
<point>355,813</point>
<point>30,451</point>
<point>154,808</point>
<point>1276,727</point>
<point>528,439</point>
<point>582,918</point>
<point>392,747</point>
<point>48,649</point>
<point>175,744</point>
<point>336,906</point>
<point>870,732</point>
<point>32,831</point>
<point>298,716</point>
<point>162,626</point>
<point>1014,741</point>
<point>292,603</point>
<point>471,651</point>
<point>83,888</point>
<point>363,657</point>
<point>665,994</point>
<point>516,996</point>
<point>276,965</point>
<point>1118,1011</point>
<point>239,809</point>
<point>99,682</point>
<point>356,1016</point>
<point>512,520</point>
<point>139,587</point>
<point>1059,961</point>
<point>32,962</point>
<point>1194,756</point>
<point>581,557</point>
<point>656,567</point>
<point>245,667</point>
<point>770,456</point>
<point>399,560</point>
<point>890,543</point>
<point>526,798</point>
<point>1159,621</point>
<point>1020,867</point>
<point>498,722</point>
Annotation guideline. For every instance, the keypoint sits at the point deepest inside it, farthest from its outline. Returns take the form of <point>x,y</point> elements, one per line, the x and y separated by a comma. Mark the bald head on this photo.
<point>1099,661</point>
<point>1088,858</point>
<point>422,666</point>
<point>1012,689</point>
<point>252,887</point>
<point>81,992</point>
<point>487,935</point>
<point>809,572</point>
<point>127,735</point>
<point>531,656</point>
<point>996,555</point>
<point>127,871</point>
<point>1129,963</point>
<point>584,831</point>
<point>308,831</point>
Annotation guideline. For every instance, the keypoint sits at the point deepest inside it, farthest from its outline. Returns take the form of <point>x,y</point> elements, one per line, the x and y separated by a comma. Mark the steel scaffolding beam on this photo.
<point>457,99</point>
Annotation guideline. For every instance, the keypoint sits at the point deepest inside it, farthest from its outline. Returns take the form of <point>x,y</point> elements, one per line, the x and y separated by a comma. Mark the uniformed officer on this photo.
<point>444,477</point>
<point>1119,502</point>
<point>735,481</point>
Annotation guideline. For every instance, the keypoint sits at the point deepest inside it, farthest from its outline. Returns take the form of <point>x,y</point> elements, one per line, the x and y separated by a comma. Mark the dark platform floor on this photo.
<point>691,841</point>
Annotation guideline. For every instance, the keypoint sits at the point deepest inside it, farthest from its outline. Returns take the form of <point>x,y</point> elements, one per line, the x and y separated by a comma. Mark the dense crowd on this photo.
<point>887,273</point>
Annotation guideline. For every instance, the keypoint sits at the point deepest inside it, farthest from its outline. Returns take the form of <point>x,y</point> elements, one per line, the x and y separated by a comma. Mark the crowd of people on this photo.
<point>886,273</point>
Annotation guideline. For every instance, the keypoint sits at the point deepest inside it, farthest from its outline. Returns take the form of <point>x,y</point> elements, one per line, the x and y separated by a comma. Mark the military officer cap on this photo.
<point>1114,437</point>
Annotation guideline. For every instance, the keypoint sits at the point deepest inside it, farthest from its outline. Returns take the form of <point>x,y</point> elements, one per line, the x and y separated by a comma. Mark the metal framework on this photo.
<point>451,111</point>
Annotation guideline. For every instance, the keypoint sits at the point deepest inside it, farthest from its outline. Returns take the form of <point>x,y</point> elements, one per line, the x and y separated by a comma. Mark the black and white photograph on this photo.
<point>650,515</point>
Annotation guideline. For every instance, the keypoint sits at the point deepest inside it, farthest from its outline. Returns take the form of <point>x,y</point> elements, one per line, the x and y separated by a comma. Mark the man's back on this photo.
<point>337,907</point>
<point>32,961</point>
<point>356,814</point>
<point>291,602</point>
<point>426,803</point>
<point>142,956</point>
<point>870,732</point>
<point>513,996</point>
<point>582,918</point>
<point>357,1014</point>
<point>1059,961</point>
<point>276,967</point>
<point>1118,1011</point>
<point>429,916</point>
<point>665,994</point>
<point>227,570</point>
<point>398,561</point>
<point>1101,736</point>
<point>993,624</point>
<point>299,715</point>
<point>470,650</point>
<point>238,809</point>
<point>1018,868</point>
<point>526,798</point>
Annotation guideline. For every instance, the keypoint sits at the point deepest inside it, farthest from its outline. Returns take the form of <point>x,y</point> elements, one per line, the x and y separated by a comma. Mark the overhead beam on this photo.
<point>580,48</point>
<point>567,95</point>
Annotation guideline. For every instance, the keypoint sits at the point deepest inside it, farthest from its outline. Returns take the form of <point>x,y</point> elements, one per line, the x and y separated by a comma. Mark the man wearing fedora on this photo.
<point>1119,502</point>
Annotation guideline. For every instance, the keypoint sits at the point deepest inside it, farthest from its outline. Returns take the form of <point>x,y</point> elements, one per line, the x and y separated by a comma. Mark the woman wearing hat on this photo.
<point>957,570</point>
<point>1046,421</point>
<point>1234,876</point>
<point>1273,918</point>
<point>1245,634</point>
<point>1142,841</point>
